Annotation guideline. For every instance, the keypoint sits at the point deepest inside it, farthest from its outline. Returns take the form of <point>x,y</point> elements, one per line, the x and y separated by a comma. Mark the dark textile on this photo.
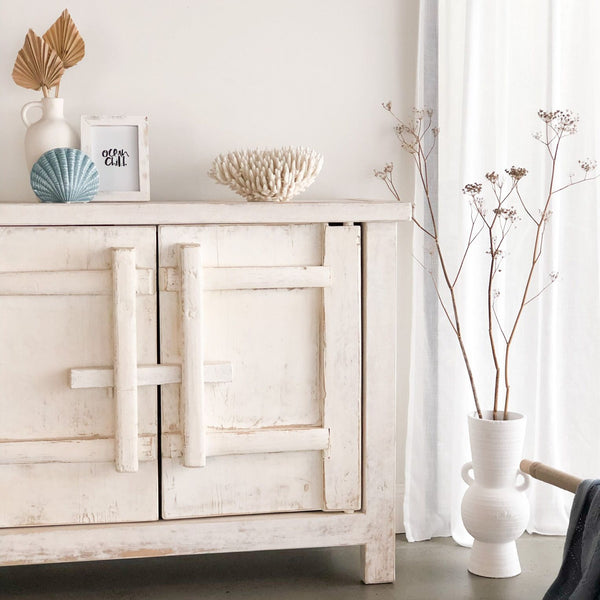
<point>579,575</point>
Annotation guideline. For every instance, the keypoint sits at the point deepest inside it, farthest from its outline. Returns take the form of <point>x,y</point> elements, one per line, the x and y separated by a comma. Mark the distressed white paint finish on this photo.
<point>253,441</point>
<point>70,451</point>
<point>187,536</point>
<point>275,371</point>
<point>192,416</point>
<point>342,369</point>
<point>272,339</point>
<point>252,278</point>
<point>70,283</point>
<point>243,484</point>
<point>125,362</point>
<point>174,213</point>
<point>379,399</point>
<point>148,375</point>
<point>67,493</point>
<point>41,339</point>
<point>263,329</point>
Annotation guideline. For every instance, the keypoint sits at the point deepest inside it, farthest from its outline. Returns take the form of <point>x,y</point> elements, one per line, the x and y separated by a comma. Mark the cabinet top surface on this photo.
<point>202,212</point>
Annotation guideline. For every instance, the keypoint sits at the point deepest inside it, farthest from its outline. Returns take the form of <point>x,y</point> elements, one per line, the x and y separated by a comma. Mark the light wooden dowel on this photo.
<point>192,358</point>
<point>86,282</point>
<point>76,450</point>
<point>98,377</point>
<point>125,360</point>
<point>252,278</point>
<point>549,475</point>
<point>243,441</point>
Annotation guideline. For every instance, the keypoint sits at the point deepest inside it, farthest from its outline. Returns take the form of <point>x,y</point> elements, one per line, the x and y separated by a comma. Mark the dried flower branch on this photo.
<point>415,140</point>
<point>497,217</point>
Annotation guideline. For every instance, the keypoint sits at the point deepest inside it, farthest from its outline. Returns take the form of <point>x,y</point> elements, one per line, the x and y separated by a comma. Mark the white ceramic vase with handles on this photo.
<point>50,131</point>
<point>494,509</point>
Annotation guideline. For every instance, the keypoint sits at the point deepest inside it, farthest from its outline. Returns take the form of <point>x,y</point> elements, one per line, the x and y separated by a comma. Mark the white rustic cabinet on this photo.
<point>185,378</point>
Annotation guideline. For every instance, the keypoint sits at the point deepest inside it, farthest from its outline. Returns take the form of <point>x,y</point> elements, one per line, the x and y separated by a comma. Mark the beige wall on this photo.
<point>214,75</point>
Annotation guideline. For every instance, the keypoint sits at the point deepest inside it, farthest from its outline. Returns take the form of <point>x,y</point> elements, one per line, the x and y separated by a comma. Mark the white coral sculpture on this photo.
<point>267,175</point>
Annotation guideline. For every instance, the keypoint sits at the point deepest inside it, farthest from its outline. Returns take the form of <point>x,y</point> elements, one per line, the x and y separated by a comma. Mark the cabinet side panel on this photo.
<point>379,399</point>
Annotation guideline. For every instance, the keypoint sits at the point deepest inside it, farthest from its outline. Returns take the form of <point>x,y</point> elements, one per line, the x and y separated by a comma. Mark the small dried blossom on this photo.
<point>408,137</point>
<point>387,170</point>
<point>478,205</point>
<point>492,177</point>
<point>472,189</point>
<point>387,105</point>
<point>588,164</point>
<point>510,214</point>
<point>563,121</point>
<point>546,115</point>
<point>516,173</point>
<point>421,113</point>
<point>495,252</point>
<point>553,275</point>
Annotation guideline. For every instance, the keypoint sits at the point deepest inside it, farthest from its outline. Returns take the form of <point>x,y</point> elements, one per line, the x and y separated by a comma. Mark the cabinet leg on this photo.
<point>379,560</point>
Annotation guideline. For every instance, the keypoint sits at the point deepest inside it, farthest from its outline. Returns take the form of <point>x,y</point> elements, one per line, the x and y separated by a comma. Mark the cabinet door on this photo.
<point>265,322</point>
<point>69,447</point>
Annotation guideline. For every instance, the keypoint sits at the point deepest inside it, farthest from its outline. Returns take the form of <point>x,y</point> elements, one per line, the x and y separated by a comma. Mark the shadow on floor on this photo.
<point>426,570</point>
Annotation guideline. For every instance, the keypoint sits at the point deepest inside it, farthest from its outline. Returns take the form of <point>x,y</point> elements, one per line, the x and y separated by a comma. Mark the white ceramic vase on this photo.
<point>50,131</point>
<point>494,509</point>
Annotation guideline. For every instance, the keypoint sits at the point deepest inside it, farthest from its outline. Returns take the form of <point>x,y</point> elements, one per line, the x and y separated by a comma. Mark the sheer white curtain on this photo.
<point>499,61</point>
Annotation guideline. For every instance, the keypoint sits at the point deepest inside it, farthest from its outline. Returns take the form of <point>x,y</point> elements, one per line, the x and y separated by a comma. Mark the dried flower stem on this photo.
<point>412,138</point>
<point>498,227</point>
<point>558,125</point>
<point>498,223</point>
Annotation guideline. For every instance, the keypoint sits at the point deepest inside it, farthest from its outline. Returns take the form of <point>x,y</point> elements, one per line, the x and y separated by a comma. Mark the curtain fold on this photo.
<point>498,62</point>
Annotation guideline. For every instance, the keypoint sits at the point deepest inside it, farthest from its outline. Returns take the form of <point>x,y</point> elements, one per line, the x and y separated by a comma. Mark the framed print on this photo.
<point>119,148</point>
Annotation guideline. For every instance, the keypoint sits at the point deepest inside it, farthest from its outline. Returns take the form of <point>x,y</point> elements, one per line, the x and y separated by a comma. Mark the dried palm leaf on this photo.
<point>37,65</point>
<point>66,40</point>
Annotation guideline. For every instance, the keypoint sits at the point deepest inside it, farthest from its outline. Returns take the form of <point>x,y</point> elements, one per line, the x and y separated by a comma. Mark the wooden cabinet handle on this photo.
<point>192,357</point>
<point>125,359</point>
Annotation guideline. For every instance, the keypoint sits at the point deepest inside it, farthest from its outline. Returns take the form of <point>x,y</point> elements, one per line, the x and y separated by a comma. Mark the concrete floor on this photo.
<point>426,570</point>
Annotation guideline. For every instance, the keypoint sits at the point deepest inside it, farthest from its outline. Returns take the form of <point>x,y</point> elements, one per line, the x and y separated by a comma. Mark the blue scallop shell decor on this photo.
<point>64,175</point>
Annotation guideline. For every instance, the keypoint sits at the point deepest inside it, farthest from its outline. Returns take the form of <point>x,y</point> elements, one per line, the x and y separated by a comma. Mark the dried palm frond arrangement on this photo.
<point>42,61</point>
<point>267,175</point>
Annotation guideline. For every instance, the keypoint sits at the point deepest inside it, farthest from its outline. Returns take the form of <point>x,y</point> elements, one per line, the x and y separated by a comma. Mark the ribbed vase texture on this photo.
<point>494,509</point>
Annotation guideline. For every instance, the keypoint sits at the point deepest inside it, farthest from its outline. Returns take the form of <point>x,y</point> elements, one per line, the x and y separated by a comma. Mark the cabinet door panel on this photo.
<point>265,444</point>
<point>56,313</point>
